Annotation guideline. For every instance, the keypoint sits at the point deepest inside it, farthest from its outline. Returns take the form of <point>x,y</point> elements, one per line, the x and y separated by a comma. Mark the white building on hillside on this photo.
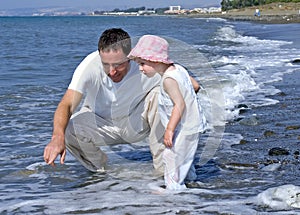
<point>174,8</point>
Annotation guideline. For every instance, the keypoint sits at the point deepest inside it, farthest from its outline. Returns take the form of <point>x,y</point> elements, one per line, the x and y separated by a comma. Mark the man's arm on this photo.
<point>62,115</point>
<point>195,84</point>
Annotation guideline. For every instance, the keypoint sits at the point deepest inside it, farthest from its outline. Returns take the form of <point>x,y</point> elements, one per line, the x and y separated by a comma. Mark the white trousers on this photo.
<point>179,161</point>
<point>87,132</point>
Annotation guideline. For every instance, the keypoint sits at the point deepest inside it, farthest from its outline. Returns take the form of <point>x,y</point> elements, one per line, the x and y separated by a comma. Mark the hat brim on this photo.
<point>133,57</point>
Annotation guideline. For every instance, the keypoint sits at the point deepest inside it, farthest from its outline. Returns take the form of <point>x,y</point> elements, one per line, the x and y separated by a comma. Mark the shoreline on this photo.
<point>267,19</point>
<point>274,13</point>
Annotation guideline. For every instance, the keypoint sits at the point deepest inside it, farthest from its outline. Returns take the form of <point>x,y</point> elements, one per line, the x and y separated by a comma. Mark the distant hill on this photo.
<point>48,11</point>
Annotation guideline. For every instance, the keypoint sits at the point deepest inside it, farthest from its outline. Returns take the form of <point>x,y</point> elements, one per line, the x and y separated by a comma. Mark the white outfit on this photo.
<point>178,159</point>
<point>113,113</point>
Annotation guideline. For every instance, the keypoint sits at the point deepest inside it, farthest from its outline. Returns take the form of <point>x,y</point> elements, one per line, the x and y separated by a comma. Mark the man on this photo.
<point>120,106</point>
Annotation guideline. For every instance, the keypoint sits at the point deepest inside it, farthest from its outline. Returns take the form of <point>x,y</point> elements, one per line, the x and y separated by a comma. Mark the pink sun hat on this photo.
<point>152,48</point>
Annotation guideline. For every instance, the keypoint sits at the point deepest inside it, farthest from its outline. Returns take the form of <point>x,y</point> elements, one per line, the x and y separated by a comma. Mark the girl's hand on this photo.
<point>168,138</point>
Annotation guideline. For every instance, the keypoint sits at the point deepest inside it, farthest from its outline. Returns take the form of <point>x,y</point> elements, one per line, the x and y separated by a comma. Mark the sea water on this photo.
<point>236,63</point>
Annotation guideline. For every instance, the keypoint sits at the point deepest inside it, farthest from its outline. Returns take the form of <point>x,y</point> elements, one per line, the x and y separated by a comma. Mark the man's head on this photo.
<point>114,46</point>
<point>114,39</point>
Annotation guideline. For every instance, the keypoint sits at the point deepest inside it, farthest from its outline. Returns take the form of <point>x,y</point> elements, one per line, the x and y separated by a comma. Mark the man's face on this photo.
<point>115,64</point>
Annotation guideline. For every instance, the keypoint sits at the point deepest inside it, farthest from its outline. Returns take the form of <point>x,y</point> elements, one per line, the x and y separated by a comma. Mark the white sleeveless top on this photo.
<point>193,120</point>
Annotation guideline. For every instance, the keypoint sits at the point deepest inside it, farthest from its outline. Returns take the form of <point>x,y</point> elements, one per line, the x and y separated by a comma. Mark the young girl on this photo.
<point>179,109</point>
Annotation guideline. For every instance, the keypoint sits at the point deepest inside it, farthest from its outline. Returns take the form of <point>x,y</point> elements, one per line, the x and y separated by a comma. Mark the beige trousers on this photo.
<point>87,132</point>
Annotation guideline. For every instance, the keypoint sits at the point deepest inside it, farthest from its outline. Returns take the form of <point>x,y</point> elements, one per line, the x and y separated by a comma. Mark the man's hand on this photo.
<point>64,110</point>
<point>53,149</point>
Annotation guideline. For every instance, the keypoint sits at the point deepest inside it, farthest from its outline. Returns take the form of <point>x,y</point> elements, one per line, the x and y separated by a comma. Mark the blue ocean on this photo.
<point>239,66</point>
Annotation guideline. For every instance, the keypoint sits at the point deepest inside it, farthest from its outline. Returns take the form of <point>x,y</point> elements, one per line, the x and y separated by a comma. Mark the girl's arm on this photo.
<point>172,89</point>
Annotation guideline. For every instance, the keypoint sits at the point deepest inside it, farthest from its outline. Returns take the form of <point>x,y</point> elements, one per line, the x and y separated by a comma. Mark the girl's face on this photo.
<point>147,67</point>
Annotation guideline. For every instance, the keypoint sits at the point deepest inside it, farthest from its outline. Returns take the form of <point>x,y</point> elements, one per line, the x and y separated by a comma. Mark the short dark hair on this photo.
<point>114,39</point>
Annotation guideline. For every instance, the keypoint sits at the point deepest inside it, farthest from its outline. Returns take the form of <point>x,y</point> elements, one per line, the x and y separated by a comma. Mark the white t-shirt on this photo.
<point>109,100</point>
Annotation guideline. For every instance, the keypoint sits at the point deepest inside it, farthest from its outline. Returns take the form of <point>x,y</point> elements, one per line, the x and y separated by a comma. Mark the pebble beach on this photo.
<point>272,131</point>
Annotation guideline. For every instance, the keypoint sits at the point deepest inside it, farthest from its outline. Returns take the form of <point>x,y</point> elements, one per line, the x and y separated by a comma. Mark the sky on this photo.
<point>104,4</point>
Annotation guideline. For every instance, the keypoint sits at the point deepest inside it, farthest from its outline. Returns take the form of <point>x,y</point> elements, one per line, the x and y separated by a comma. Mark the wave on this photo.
<point>247,66</point>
